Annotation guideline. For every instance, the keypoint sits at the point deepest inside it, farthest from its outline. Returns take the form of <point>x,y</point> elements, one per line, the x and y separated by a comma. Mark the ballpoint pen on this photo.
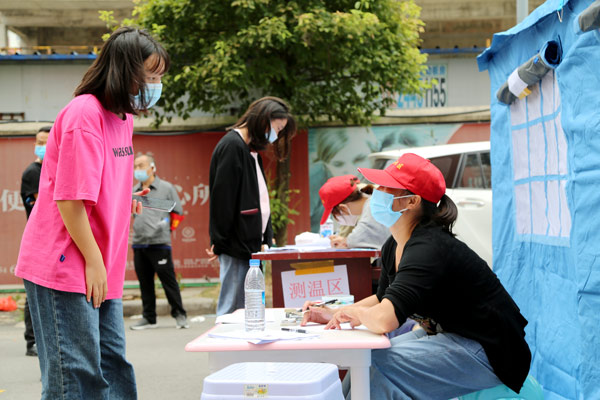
<point>324,303</point>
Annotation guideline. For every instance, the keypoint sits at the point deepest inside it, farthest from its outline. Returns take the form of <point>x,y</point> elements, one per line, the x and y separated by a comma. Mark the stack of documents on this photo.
<point>262,337</point>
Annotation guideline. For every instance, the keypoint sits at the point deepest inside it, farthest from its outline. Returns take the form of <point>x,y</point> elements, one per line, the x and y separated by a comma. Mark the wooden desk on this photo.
<point>357,261</point>
<point>349,348</point>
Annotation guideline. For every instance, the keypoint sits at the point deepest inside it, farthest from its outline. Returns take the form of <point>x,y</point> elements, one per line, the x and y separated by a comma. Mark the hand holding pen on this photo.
<point>316,303</point>
<point>316,311</point>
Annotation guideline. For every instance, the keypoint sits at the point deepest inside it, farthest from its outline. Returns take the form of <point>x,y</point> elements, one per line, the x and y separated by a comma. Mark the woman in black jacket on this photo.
<point>240,217</point>
<point>473,332</point>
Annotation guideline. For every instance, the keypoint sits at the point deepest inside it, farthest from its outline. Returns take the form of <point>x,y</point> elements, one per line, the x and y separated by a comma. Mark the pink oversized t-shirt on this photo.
<point>89,156</point>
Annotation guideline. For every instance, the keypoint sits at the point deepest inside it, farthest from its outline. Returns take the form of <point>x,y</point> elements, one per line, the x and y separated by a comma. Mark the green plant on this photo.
<point>281,214</point>
<point>334,59</point>
<point>179,278</point>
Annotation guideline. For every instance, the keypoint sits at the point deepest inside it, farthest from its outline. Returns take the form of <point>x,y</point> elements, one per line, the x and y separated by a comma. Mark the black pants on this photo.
<point>155,260</point>
<point>29,336</point>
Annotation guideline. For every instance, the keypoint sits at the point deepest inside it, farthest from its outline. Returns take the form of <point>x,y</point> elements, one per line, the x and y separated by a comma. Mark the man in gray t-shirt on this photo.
<point>152,246</point>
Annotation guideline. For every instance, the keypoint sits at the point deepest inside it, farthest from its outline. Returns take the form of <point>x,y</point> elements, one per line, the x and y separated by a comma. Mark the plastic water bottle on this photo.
<point>254,289</point>
<point>326,229</point>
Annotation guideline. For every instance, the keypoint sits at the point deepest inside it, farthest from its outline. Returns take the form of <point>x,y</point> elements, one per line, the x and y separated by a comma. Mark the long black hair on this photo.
<point>257,119</point>
<point>119,70</point>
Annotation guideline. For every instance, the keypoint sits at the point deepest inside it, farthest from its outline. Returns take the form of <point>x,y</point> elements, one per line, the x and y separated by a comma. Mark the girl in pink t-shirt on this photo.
<point>74,247</point>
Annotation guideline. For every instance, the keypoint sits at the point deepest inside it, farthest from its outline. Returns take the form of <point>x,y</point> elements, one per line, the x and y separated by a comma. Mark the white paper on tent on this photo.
<point>298,288</point>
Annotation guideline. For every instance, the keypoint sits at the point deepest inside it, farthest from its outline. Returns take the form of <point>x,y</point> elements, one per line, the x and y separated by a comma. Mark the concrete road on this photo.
<point>164,370</point>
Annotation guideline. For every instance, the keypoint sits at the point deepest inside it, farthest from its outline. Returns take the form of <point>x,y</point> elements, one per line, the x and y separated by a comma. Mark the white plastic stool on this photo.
<point>274,380</point>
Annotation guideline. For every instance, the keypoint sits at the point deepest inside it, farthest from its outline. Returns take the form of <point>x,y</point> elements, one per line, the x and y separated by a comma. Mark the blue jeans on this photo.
<point>406,327</point>
<point>232,275</point>
<point>441,366</point>
<point>81,349</point>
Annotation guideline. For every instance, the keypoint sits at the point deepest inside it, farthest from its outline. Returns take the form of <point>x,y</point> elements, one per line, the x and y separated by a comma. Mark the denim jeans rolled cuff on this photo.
<point>232,275</point>
<point>418,366</point>
<point>81,349</point>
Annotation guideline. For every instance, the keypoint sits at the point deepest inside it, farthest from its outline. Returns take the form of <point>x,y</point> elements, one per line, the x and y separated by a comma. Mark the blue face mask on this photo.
<point>40,151</point>
<point>381,208</point>
<point>151,95</point>
<point>272,135</point>
<point>141,175</point>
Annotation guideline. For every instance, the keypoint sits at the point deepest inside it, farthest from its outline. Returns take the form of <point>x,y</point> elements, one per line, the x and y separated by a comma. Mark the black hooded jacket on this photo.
<point>235,225</point>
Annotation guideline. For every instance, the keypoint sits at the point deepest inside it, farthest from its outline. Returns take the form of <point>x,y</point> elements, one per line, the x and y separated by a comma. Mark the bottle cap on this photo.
<point>255,263</point>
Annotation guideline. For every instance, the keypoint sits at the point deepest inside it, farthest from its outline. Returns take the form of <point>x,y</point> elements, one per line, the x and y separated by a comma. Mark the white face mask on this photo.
<point>347,219</point>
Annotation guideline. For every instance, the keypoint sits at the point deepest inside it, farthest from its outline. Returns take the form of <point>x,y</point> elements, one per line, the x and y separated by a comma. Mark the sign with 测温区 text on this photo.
<point>298,288</point>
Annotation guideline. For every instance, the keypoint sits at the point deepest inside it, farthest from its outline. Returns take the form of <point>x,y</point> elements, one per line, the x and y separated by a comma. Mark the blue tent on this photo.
<point>545,150</point>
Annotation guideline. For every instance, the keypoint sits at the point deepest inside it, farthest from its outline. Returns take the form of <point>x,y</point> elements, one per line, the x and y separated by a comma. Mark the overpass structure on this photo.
<point>448,23</point>
<point>58,22</point>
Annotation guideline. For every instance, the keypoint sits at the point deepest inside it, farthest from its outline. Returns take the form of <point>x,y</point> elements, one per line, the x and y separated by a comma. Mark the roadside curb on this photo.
<point>193,306</point>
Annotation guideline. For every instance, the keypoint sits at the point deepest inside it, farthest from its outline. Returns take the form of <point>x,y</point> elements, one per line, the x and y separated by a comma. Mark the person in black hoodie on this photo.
<point>30,183</point>
<point>473,334</point>
<point>240,217</point>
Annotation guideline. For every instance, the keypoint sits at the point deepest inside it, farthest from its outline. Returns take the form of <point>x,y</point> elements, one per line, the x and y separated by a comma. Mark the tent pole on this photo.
<point>522,10</point>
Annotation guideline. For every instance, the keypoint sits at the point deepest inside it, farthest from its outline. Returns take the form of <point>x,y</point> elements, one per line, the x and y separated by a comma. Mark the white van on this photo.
<point>467,170</point>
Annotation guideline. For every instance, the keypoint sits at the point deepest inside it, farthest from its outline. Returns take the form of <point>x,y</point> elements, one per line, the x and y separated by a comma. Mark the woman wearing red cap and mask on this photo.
<point>349,205</point>
<point>474,337</point>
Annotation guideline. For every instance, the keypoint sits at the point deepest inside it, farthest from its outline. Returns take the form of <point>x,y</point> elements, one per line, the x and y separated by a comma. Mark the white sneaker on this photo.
<point>182,322</point>
<point>143,324</point>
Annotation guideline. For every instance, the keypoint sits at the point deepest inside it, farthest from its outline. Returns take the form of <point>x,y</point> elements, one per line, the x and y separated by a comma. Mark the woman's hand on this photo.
<point>346,314</point>
<point>211,253</point>
<point>75,218</point>
<point>95,282</point>
<point>320,315</point>
<point>309,303</point>
<point>136,206</point>
<point>338,242</point>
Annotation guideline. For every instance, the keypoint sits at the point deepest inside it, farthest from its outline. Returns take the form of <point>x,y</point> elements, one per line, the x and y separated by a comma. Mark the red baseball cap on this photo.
<point>411,172</point>
<point>336,190</point>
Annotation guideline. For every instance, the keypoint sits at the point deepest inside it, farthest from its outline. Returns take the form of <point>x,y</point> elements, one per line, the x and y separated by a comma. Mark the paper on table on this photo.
<point>283,248</point>
<point>238,317</point>
<point>307,249</point>
<point>262,337</point>
<point>345,326</point>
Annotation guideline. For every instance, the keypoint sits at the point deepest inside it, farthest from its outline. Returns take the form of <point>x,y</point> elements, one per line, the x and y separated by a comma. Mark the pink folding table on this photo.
<point>349,348</point>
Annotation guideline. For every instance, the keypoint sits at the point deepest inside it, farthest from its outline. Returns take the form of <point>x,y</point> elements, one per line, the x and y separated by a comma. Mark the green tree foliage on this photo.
<point>331,59</point>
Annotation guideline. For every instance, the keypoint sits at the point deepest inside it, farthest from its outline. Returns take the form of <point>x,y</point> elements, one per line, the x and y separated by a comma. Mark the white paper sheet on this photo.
<point>238,317</point>
<point>266,336</point>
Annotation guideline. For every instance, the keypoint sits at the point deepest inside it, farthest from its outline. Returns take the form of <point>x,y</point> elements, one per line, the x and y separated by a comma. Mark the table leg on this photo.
<point>277,267</point>
<point>360,383</point>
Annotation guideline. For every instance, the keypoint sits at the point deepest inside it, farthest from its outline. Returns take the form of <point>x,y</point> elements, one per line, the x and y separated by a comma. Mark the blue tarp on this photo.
<point>546,220</point>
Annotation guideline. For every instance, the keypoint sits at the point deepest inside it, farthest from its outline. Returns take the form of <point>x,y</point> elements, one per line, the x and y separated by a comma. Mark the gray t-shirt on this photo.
<point>153,226</point>
<point>367,233</point>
